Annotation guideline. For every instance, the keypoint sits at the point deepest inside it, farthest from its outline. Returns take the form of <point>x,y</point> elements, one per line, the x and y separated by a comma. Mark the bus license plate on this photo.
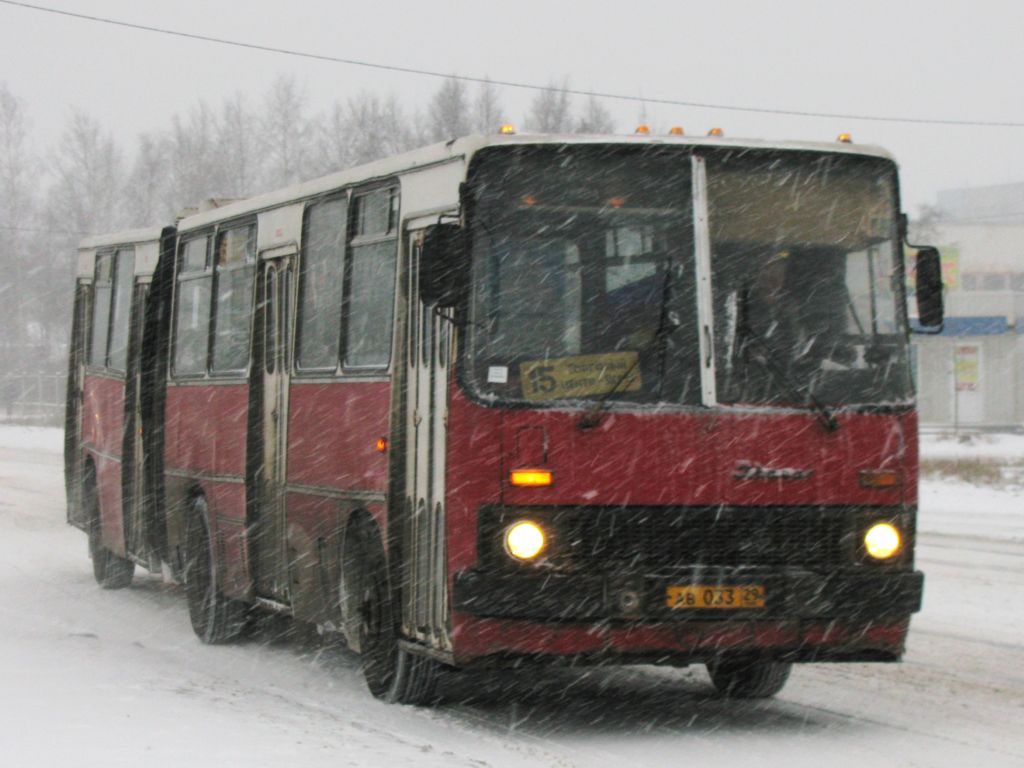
<point>745,596</point>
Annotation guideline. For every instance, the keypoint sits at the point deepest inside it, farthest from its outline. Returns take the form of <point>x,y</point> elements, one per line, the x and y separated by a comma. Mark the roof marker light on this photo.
<point>844,138</point>
<point>507,129</point>
<point>716,132</point>
<point>643,129</point>
<point>675,130</point>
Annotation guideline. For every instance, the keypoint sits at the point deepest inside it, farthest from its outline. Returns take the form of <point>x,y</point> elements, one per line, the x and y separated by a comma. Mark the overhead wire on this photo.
<point>510,83</point>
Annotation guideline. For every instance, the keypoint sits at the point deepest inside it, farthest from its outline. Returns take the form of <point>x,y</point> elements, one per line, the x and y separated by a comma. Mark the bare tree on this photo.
<point>18,191</point>
<point>488,115</point>
<point>595,118</point>
<point>286,133</point>
<point>363,129</point>
<point>194,170</point>
<point>237,139</point>
<point>146,189</point>
<point>448,112</point>
<point>550,111</point>
<point>88,176</point>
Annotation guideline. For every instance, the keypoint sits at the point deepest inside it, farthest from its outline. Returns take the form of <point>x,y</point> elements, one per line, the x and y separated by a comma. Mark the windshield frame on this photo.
<point>698,154</point>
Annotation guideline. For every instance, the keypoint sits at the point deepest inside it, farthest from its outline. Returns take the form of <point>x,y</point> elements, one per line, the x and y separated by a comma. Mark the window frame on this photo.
<point>181,277</point>
<point>335,196</point>
<point>357,240</point>
<point>119,260</point>
<point>100,255</point>
<point>351,240</point>
<point>211,257</point>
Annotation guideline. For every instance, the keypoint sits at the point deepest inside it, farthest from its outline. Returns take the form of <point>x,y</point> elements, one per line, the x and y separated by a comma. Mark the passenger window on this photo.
<point>123,272</point>
<point>192,310</point>
<point>370,294</point>
<point>235,273</point>
<point>320,285</point>
<point>102,290</point>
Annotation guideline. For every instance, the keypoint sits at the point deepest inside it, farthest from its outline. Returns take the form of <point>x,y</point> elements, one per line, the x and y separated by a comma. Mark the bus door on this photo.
<point>135,533</point>
<point>269,400</point>
<point>75,396</point>
<point>428,335</point>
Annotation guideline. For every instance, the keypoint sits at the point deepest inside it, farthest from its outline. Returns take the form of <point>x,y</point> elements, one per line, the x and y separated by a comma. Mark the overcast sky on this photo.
<point>925,60</point>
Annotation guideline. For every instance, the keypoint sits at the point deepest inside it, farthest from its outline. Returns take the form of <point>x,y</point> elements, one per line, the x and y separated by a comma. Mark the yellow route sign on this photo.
<point>579,376</point>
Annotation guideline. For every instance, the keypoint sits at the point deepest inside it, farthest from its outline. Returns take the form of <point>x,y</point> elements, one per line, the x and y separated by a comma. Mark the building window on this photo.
<point>993,281</point>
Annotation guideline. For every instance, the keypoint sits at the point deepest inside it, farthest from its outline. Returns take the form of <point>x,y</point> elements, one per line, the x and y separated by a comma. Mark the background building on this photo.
<point>972,375</point>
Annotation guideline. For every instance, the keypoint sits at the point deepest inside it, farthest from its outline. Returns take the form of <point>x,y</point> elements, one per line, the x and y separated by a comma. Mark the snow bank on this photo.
<point>49,439</point>
<point>989,447</point>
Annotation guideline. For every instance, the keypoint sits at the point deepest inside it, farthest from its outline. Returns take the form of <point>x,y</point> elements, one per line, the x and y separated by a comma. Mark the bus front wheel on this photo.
<point>215,618</point>
<point>746,678</point>
<point>392,674</point>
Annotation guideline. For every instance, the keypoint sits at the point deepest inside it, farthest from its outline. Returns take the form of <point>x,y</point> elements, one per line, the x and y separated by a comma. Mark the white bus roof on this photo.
<point>464,148</point>
<point>145,241</point>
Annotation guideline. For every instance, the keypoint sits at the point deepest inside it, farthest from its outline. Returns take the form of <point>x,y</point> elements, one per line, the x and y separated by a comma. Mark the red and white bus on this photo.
<point>607,399</point>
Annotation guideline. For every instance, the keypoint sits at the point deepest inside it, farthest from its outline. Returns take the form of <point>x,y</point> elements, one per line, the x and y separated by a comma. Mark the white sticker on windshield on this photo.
<point>497,374</point>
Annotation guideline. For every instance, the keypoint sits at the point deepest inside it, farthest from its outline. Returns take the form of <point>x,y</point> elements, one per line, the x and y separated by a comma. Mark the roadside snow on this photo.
<point>32,438</point>
<point>995,447</point>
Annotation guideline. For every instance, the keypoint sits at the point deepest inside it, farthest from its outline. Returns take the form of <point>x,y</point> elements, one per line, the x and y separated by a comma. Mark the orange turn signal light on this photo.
<point>530,478</point>
<point>880,478</point>
<point>382,444</point>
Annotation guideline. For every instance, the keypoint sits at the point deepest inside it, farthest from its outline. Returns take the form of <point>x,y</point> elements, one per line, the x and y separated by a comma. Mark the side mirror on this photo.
<point>929,288</point>
<point>444,265</point>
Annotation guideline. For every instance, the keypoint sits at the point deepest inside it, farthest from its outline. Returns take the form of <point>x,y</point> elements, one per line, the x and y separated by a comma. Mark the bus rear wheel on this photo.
<point>747,678</point>
<point>392,673</point>
<point>215,618</point>
<point>110,570</point>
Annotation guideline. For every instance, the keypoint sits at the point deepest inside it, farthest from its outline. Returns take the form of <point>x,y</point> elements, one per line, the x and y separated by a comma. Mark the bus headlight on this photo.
<point>882,541</point>
<point>524,540</point>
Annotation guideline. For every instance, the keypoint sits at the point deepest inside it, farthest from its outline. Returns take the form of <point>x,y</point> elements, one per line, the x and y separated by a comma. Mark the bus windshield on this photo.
<point>806,279</point>
<point>584,277</point>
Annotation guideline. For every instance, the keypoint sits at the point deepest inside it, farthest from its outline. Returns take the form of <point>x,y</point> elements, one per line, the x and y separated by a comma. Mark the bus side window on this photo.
<point>320,285</point>
<point>102,292</point>
<point>370,295</point>
<point>192,308</point>
<point>235,275</point>
<point>121,310</point>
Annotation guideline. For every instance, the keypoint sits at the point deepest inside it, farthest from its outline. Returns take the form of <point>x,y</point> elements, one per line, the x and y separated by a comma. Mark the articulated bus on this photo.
<point>521,398</point>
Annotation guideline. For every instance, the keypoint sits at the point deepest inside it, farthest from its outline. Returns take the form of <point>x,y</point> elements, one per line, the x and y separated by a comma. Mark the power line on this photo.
<point>511,83</point>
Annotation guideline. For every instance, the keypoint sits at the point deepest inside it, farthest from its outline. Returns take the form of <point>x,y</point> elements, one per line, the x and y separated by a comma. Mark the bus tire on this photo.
<point>392,674</point>
<point>746,678</point>
<point>215,618</point>
<point>110,570</point>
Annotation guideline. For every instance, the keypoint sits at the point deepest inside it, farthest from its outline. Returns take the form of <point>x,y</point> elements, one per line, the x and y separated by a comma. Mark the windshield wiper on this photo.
<point>592,416</point>
<point>769,360</point>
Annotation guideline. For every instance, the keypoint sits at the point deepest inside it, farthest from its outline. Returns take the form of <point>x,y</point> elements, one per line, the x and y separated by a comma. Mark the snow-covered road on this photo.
<point>90,677</point>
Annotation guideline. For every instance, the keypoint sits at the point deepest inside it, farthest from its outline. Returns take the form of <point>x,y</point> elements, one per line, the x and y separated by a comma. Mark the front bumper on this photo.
<point>790,594</point>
